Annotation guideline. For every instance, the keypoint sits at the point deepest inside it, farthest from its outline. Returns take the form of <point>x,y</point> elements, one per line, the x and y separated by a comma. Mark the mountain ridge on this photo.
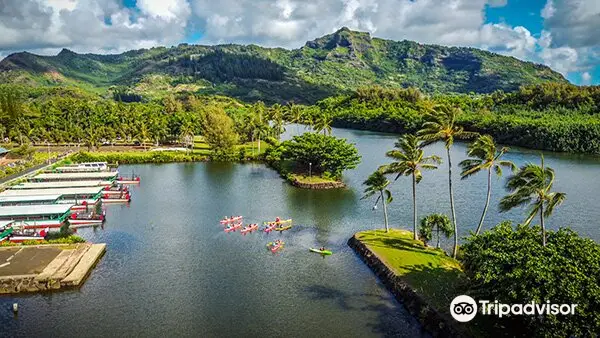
<point>334,63</point>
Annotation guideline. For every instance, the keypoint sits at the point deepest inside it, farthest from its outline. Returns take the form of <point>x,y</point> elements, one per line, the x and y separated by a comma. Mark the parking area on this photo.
<point>26,260</point>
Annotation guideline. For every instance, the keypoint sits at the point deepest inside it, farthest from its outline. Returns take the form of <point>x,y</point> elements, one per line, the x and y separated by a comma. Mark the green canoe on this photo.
<point>324,252</point>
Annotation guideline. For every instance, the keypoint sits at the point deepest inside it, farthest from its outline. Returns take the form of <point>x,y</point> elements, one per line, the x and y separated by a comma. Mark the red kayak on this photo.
<point>230,220</point>
<point>233,227</point>
<point>270,228</point>
<point>249,228</point>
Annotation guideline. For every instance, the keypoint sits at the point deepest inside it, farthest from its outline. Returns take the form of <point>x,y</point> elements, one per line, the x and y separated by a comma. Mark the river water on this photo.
<point>170,270</point>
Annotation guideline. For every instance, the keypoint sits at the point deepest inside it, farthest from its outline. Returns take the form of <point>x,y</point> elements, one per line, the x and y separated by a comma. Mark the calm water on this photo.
<point>171,270</point>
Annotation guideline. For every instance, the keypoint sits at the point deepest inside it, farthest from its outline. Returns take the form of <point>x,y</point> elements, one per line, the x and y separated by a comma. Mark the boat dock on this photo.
<point>61,184</point>
<point>86,176</point>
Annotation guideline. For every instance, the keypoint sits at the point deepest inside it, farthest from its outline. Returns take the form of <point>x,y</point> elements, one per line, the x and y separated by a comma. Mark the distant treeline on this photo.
<point>557,117</point>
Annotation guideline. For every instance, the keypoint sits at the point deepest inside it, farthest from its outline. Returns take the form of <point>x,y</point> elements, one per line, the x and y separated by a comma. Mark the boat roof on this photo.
<point>38,198</point>
<point>60,192</point>
<point>35,210</point>
<point>3,224</point>
<point>61,184</point>
<point>82,176</point>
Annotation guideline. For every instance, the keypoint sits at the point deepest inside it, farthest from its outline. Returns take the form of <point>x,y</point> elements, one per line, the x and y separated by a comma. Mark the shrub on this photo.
<point>511,266</point>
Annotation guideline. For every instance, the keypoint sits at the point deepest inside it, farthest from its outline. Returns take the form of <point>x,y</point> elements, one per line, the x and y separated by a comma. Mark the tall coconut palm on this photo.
<point>409,160</point>
<point>378,183</point>
<point>485,156</point>
<point>441,125</point>
<point>276,115</point>
<point>531,185</point>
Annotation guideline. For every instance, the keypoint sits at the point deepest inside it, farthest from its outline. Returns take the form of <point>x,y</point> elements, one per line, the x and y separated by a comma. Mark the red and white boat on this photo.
<point>18,236</point>
<point>231,220</point>
<point>82,220</point>
<point>249,228</point>
<point>234,227</point>
<point>128,180</point>
<point>124,197</point>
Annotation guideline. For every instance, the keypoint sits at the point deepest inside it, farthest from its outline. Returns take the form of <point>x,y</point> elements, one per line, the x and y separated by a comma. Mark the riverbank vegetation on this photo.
<point>512,265</point>
<point>23,158</point>
<point>555,117</point>
<point>69,239</point>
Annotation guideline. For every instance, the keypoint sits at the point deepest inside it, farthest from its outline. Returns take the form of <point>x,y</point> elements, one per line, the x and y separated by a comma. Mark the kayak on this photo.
<point>230,220</point>
<point>270,228</point>
<point>280,222</point>
<point>274,247</point>
<point>233,227</point>
<point>322,252</point>
<point>288,227</point>
<point>249,228</point>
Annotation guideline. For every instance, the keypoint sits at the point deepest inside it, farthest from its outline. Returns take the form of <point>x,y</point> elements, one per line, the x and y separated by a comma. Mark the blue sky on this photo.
<point>562,34</point>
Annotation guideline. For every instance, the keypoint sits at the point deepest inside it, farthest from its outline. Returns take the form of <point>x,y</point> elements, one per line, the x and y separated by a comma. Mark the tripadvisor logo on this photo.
<point>464,308</point>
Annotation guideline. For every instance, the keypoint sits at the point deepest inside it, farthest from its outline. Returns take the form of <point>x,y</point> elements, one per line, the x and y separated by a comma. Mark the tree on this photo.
<point>511,264</point>
<point>409,160</point>
<point>378,183</point>
<point>322,123</point>
<point>219,132</point>
<point>322,153</point>
<point>438,223</point>
<point>258,122</point>
<point>441,125</point>
<point>294,113</point>
<point>531,185</point>
<point>485,156</point>
<point>276,115</point>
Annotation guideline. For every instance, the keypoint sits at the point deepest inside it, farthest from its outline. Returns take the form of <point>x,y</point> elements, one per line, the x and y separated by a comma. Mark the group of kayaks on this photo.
<point>232,224</point>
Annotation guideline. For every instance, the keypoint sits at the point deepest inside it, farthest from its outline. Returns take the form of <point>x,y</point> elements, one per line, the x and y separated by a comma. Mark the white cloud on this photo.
<point>44,26</point>
<point>586,78</point>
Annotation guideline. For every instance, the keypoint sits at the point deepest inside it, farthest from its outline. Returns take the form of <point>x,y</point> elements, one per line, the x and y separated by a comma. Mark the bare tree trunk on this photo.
<point>543,225</point>
<point>487,202</point>
<point>385,215</point>
<point>455,251</point>
<point>438,236</point>
<point>414,192</point>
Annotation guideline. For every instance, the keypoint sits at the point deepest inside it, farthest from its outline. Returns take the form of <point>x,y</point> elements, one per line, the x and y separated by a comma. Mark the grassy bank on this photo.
<point>138,157</point>
<point>430,272</point>
<point>72,239</point>
<point>304,179</point>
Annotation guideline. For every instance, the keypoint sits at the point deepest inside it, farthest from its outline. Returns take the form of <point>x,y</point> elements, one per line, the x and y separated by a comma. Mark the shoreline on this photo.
<point>433,321</point>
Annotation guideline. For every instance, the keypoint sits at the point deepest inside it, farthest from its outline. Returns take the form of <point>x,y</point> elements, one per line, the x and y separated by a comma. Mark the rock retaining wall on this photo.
<point>436,323</point>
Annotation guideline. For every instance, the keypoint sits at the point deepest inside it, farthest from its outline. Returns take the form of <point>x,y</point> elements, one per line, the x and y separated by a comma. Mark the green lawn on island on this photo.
<point>430,272</point>
<point>311,179</point>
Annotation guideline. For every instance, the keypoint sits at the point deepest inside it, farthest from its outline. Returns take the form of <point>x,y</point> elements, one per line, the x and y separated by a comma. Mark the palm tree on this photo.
<point>440,223</point>
<point>441,125</point>
<point>276,115</point>
<point>409,160</point>
<point>259,124</point>
<point>294,113</point>
<point>377,183</point>
<point>532,185</point>
<point>485,156</point>
<point>322,123</point>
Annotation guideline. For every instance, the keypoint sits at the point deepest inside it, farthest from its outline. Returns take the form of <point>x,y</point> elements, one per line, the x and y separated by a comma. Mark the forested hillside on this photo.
<point>335,64</point>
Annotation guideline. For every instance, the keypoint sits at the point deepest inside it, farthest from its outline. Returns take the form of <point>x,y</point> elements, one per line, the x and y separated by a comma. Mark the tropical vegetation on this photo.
<point>410,161</point>
<point>377,183</point>
<point>532,186</point>
<point>484,155</point>
<point>511,265</point>
<point>435,223</point>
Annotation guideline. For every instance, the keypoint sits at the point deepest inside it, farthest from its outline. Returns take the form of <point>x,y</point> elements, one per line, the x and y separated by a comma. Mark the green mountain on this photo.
<point>332,64</point>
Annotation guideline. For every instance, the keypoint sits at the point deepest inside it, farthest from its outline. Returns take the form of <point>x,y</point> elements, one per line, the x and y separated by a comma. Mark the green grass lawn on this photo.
<point>312,179</point>
<point>429,271</point>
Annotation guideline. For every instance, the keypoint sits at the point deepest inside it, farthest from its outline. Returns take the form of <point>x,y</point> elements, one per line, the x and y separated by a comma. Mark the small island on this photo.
<point>313,160</point>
